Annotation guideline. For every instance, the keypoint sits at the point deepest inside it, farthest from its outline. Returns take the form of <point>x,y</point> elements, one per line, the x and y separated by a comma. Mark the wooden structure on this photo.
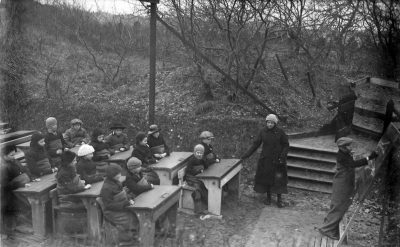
<point>218,175</point>
<point>38,196</point>
<point>167,168</point>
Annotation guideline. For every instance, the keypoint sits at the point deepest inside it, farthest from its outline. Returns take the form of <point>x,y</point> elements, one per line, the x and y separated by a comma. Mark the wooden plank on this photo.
<point>307,185</point>
<point>311,165</point>
<point>384,83</point>
<point>16,141</point>
<point>367,123</point>
<point>15,135</point>
<point>46,182</point>
<point>311,176</point>
<point>154,198</point>
<point>172,161</point>
<point>218,170</point>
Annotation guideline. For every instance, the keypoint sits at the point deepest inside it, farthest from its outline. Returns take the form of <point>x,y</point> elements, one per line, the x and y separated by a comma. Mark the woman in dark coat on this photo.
<point>271,174</point>
<point>343,186</point>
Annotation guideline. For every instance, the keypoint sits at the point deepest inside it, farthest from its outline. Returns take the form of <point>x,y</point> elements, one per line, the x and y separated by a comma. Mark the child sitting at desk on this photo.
<point>102,151</point>
<point>115,202</point>
<point>76,135</point>
<point>195,165</point>
<point>85,167</point>
<point>143,153</point>
<point>135,181</point>
<point>157,143</point>
<point>118,140</point>
<point>13,176</point>
<point>209,156</point>
<point>68,182</point>
<point>36,157</point>
<point>55,144</point>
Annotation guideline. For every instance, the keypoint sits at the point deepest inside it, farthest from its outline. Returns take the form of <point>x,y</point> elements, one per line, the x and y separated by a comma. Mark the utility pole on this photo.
<point>152,54</point>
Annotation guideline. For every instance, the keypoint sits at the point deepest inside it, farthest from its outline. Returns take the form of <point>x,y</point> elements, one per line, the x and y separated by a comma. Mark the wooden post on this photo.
<point>282,69</point>
<point>152,77</point>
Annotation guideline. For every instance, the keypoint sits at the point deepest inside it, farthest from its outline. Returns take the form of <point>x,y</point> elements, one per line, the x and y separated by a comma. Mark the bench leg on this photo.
<point>146,229</point>
<point>38,206</point>
<point>171,215</point>
<point>214,197</point>
<point>234,186</point>
<point>93,218</point>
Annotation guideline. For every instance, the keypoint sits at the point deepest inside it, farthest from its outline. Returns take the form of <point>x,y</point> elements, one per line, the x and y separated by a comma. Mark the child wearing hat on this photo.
<point>102,150</point>
<point>143,153</point>
<point>156,142</point>
<point>195,165</point>
<point>118,140</point>
<point>209,156</point>
<point>36,157</point>
<point>76,135</point>
<point>13,176</point>
<point>68,182</point>
<point>85,166</point>
<point>55,144</point>
<point>115,202</point>
<point>135,181</point>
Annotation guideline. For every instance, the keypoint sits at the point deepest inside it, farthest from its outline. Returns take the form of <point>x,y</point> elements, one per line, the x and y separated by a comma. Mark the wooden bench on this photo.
<point>167,168</point>
<point>38,196</point>
<point>216,176</point>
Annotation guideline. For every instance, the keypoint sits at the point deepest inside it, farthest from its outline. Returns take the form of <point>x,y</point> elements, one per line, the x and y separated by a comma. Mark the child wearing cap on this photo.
<point>135,181</point>
<point>76,135</point>
<point>143,153</point>
<point>68,182</point>
<point>118,140</point>
<point>102,150</point>
<point>55,144</point>
<point>85,166</point>
<point>115,201</point>
<point>156,142</point>
<point>36,157</point>
<point>209,155</point>
<point>195,165</point>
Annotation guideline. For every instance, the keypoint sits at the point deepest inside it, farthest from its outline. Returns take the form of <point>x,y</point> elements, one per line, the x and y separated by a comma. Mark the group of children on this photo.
<point>51,153</point>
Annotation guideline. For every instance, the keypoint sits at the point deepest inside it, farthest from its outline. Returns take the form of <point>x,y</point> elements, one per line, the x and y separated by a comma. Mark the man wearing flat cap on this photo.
<point>343,186</point>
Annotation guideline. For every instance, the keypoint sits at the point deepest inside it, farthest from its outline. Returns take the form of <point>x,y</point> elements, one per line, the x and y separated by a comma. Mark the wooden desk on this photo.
<point>88,198</point>
<point>121,156</point>
<point>150,205</point>
<point>15,138</point>
<point>37,195</point>
<point>216,176</point>
<point>167,168</point>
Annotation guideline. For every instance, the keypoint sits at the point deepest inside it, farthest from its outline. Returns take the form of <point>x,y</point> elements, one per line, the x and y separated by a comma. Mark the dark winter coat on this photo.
<point>117,142</point>
<point>53,142</point>
<point>143,153</point>
<point>131,182</point>
<point>36,158</point>
<point>74,137</point>
<point>209,156</point>
<point>101,150</point>
<point>194,167</point>
<point>68,182</point>
<point>112,195</point>
<point>87,171</point>
<point>154,142</point>
<point>271,174</point>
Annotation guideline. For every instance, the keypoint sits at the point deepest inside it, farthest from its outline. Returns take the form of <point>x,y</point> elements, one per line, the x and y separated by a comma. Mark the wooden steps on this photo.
<point>384,83</point>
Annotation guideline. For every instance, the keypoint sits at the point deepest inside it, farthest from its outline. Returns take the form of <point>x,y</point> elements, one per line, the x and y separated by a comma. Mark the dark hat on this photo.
<point>35,138</point>
<point>67,157</point>
<point>112,170</point>
<point>140,136</point>
<point>117,126</point>
<point>133,163</point>
<point>76,121</point>
<point>153,129</point>
<point>96,133</point>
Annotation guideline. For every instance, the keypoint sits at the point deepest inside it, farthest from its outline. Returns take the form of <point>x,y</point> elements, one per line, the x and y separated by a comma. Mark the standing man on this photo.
<point>271,174</point>
<point>343,186</point>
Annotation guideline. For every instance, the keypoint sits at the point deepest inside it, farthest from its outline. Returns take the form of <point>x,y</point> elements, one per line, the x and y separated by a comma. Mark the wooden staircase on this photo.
<point>312,158</point>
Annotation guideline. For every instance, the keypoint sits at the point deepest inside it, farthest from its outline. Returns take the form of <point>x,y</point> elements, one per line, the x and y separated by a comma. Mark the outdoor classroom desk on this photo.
<point>37,195</point>
<point>121,156</point>
<point>216,176</point>
<point>168,167</point>
<point>150,205</point>
<point>88,198</point>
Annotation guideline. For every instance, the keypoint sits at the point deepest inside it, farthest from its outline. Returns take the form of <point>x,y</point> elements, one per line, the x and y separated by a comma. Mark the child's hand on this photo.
<point>54,169</point>
<point>36,180</point>
<point>122,149</point>
<point>217,160</point>
<point>66,149</point>
<point>88,186</point>
<point>131,202</point>
<point>163,155</point>
<point>152,186</point>
<point>27,185</point>
<point>59,151</point>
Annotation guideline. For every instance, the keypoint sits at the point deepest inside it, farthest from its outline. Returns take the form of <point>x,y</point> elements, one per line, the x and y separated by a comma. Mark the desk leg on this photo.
<point>93,218</point>
<point>146,229</point>
<point>172,212</point>
<point>38,206</point>
<point>234,186</point>
<point>214,197</point>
